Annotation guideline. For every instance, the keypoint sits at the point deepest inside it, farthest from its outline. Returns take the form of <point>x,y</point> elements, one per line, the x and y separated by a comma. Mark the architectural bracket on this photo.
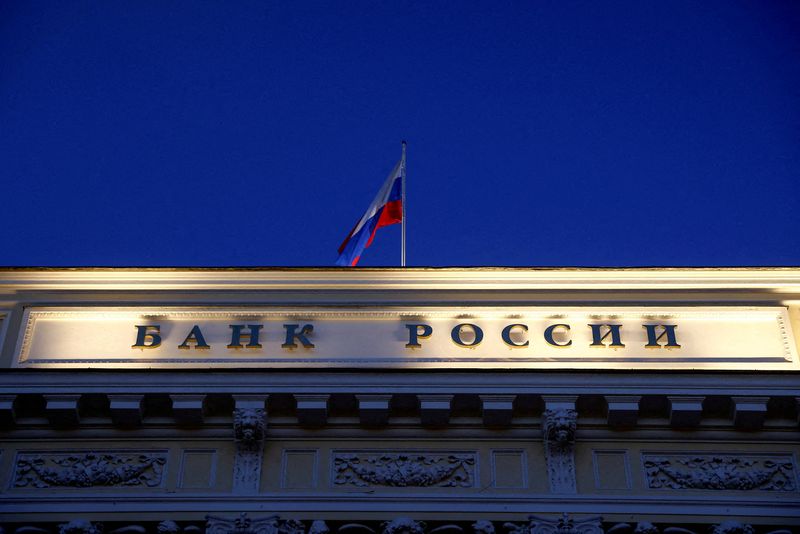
<point>249,431</point>
<point>559,422</point>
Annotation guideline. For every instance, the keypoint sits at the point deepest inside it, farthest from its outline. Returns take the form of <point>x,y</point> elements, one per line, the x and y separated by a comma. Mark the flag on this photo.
<point>386,209</point>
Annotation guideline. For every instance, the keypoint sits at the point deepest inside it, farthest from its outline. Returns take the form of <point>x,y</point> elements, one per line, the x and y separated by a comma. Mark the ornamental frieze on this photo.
<point>404,469</point>
<point>274,524</point>
<point>89,469</point>
<point>720,472</point>
<point>563,525</point>
<point>247,525</point>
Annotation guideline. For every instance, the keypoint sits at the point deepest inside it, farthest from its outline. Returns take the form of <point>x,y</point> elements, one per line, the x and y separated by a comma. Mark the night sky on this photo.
<point>539,133</point>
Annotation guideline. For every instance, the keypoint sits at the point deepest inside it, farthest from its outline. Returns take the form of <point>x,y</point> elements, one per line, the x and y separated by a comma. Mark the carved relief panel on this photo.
<point>420,469</point>
<point>87,469</point>
<point>724,471</point>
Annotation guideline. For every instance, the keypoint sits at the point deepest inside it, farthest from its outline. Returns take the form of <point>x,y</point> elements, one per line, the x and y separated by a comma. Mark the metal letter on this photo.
<point>455,334</point>
<point>548,335</point>
<point>507,335</point>
<point>653,340</point>
<point>143,336</point>
<point>291,335</point>
<point>196,337</point>
<point>252,336</point>
<point>416,331</point>
<point>597,339</point>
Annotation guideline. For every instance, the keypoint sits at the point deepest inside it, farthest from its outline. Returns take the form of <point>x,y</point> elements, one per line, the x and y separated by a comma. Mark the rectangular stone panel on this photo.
<point>404,469</point>
<point>198,469</point>
<point>299,469</point>
<point>611,469</point>
<point>566,337</point>
<point>720,471</point>
<point>509,468</point>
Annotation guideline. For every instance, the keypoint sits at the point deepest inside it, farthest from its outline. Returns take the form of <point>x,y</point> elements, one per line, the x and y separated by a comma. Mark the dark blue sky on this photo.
<point>540,133</point>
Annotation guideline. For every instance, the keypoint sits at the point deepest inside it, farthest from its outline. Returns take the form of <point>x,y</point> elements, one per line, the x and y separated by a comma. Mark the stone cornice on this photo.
<point>400,382</point>
<point>769,280</point>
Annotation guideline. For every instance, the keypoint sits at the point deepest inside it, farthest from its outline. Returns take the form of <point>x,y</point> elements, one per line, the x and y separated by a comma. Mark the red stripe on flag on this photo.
<point>392,213</point>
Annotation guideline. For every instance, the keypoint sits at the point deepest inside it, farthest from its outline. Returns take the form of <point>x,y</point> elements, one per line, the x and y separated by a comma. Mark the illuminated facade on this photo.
<point>388,401</point>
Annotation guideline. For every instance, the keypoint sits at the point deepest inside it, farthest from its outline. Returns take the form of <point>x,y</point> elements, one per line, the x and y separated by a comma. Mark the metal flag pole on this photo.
<point>403,204</point>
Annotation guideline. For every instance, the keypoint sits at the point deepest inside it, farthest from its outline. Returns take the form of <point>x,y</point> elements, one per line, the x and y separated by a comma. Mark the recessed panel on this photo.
<point>509,469</point>
<point>198,469</point>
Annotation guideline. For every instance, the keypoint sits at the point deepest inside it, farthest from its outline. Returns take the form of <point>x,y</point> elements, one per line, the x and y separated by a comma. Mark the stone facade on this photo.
<point>428,450</point>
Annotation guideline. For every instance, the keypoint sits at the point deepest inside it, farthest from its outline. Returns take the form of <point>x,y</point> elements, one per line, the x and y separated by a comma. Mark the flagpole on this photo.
<point>403,203</point>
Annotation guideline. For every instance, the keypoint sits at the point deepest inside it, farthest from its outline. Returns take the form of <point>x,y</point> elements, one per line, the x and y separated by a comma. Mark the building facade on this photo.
<point>388,401</point>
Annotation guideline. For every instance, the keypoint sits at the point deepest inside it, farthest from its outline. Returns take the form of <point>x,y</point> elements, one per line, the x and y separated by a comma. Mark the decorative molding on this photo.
<point>767,279</point>
<point>645,527</point>
<point>249,430</point>
<point>168,527</point>
<point>483,526</point>
<point>403,525</point>
<point>732,527</point>
<point>404,469</point>
<point>642,527</point>
<point>400,525</point>
<point>80,526</point>
<point>244,525</point>
<point>720,472</point>
<point>562,525</point>
<point>558,430</point>
<point>127,529</point>
<point>90,469</point>
<point>318,526</point>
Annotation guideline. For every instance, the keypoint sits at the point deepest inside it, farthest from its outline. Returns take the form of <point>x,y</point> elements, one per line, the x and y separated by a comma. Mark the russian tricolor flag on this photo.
<point>386,209</point>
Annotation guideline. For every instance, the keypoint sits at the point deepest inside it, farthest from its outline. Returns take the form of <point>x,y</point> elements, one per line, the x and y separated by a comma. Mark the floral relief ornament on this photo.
<point>80,526</point>
<point>563,525</point>
<point>403,525</point>
<point>720,473</point>
<point>89,469</point>
<point>405,470</point>
<point>246,525</point>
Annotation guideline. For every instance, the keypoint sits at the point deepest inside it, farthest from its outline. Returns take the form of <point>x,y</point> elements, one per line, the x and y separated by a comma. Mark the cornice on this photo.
<point>399,382</point>
<point>783,280</point>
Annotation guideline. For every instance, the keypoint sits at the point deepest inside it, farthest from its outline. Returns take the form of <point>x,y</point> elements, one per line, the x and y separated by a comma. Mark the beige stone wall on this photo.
<point>673,448</point>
